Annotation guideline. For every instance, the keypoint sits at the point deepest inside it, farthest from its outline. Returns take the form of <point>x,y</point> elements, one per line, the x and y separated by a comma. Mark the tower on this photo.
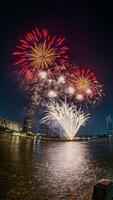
<point>109,125</point>
<point>27,126</point>
<point>31,104</point>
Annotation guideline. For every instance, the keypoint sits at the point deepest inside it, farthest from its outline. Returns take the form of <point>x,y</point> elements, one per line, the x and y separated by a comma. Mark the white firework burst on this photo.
<point>68,117</point>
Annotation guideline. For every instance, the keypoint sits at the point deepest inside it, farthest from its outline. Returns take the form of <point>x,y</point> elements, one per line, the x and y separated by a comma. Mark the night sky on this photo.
<point>88,29</point>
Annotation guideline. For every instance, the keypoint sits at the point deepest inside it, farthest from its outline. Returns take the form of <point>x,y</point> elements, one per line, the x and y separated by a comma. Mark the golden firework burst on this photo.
<point>41,56</point>
<point>83,84</point>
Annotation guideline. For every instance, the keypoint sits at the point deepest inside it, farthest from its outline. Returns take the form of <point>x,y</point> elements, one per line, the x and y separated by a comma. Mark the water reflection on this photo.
<point>37,145</point>
<point>44,170</point>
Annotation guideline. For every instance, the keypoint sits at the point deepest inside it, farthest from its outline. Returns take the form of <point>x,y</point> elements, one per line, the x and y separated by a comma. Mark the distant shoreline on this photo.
<point>78,139</point>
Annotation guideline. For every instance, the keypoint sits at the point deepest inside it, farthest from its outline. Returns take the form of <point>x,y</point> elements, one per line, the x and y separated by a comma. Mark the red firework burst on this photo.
<point>38,51</point>
<point>86,85</point>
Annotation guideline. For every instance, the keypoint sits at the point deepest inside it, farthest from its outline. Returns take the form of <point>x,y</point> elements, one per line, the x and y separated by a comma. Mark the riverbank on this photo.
<point>20,134</point>
<point>76,139</point>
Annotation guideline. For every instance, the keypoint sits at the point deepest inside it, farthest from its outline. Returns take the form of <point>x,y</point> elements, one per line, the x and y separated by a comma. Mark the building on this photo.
<point>27,127</point>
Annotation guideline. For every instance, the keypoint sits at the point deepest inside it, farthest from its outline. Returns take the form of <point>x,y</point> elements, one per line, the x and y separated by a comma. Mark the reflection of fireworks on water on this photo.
<point>68,117</point>
<point>38,51</point>
<point>86,86</point>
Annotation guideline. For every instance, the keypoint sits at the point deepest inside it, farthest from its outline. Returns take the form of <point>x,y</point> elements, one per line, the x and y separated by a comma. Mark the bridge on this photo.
<point>10,125</point>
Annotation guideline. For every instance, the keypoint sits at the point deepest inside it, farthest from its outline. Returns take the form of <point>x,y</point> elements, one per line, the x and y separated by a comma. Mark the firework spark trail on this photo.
<point>38,51</point>
<point>68,117</point>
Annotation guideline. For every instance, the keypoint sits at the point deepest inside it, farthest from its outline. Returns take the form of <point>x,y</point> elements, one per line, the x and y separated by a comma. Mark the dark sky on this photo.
<point>88,29</point>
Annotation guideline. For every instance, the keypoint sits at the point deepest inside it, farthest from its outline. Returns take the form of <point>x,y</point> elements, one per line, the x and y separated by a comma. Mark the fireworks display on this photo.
<point>38,51</point>
<point>68,117</point>
<point>85,86</point>
<point>80,87</point>
<point>41,61</point>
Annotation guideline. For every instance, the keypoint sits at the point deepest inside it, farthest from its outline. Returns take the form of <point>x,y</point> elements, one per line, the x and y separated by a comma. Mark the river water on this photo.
<point>48,170</point>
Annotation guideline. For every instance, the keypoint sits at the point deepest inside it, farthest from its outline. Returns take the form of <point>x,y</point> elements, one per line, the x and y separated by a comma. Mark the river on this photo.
<point>48,170</point>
